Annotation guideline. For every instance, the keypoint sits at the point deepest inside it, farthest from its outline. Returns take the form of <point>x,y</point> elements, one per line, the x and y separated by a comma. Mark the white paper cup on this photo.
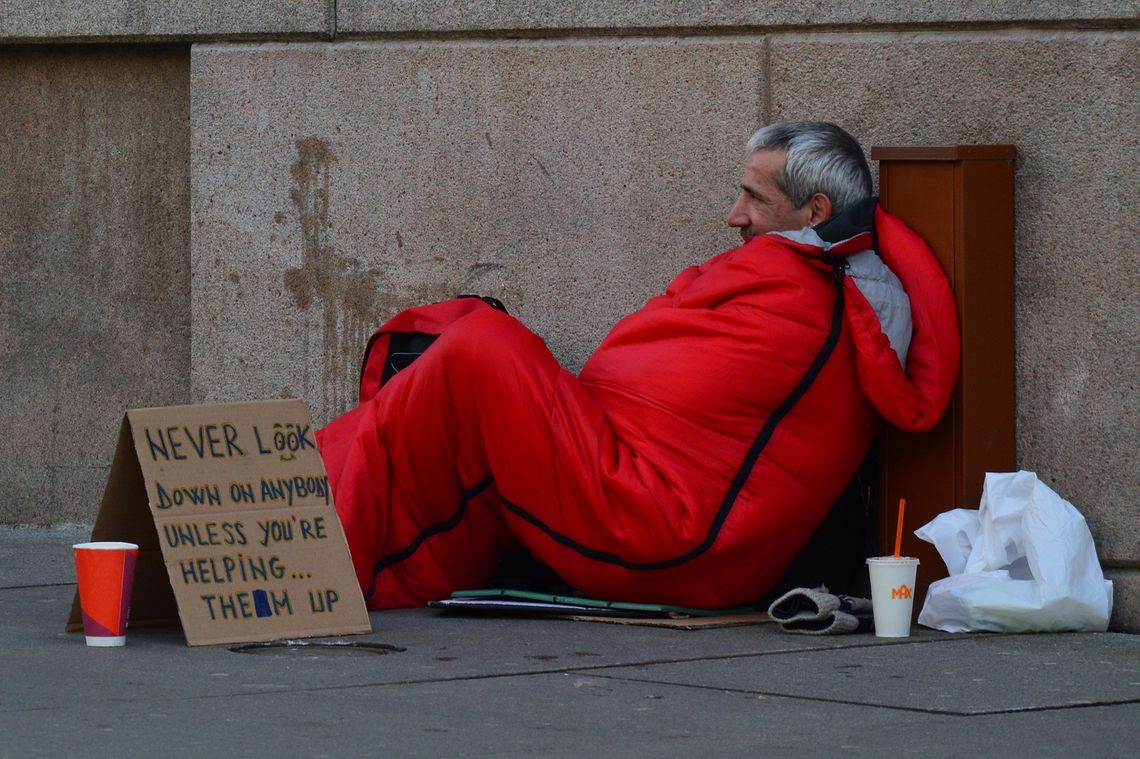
<point>892,594</point>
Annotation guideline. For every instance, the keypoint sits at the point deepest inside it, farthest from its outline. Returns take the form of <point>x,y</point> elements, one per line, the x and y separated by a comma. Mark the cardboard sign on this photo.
<point>237,534</point>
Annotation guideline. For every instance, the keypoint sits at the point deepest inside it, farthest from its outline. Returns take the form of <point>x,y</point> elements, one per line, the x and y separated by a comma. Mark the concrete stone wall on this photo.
<point>570,157</point>
<point>95,262</point>
<point>571,180</point>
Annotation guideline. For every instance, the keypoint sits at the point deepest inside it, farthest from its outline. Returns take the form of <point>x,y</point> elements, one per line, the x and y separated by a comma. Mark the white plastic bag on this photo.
<point>1023,562</point>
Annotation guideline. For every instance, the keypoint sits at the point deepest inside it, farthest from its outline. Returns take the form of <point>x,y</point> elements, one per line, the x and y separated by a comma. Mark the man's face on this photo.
<point>762,206</point>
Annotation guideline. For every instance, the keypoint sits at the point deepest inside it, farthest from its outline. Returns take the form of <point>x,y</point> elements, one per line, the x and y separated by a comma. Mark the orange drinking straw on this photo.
<point>898,530</point>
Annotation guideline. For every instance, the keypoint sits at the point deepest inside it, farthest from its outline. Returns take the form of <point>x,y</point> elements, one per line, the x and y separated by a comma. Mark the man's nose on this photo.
<point>737,217</point>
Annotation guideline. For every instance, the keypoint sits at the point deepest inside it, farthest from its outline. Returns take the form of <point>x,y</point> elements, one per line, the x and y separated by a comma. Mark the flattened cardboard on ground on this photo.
<point>237,533</point>
<point>531,603</point>
<point>576,614</point>
<point>681,623</point>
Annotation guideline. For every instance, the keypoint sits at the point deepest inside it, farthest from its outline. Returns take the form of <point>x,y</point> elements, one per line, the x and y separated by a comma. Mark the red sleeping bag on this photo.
<point>687,464</point>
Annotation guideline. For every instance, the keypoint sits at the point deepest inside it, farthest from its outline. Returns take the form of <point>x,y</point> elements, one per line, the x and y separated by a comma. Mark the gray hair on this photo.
<point>821,157</point>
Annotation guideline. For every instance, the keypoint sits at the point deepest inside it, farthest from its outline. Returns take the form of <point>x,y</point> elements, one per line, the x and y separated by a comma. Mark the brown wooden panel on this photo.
<point>922,194</point>
<point>960,200</point>
<point>984,292</point>
<point>920,468</point>
<point>943,153</point>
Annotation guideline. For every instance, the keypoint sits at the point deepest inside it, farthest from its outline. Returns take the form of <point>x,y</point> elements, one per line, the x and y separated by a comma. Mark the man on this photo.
<point>705,438</point>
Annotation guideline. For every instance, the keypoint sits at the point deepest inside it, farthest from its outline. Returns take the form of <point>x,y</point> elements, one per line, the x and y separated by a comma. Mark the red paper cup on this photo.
<point>106,574</point>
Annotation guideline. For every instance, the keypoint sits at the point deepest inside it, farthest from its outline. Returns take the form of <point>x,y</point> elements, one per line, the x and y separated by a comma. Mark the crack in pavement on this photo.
<point>851,702</point>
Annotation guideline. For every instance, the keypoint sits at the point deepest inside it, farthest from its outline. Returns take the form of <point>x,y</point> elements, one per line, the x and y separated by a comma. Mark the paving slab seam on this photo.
<point>467,678</point>
<point>521,673</point>
<point>38,585</point>
<point>643,663</point>
<point>593,672</point>
<point>277,690</point>
<point>849,702</point>
<point>31,709</point>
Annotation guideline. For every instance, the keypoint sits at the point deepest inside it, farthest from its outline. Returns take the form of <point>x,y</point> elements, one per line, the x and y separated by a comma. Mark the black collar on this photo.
<point>852,221</point>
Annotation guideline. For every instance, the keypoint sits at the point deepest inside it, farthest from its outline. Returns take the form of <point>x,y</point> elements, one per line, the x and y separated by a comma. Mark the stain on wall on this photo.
<point>344,292</point>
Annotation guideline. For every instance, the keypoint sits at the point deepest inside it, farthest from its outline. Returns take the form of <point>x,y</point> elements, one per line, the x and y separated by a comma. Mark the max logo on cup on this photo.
<point>901,591</point>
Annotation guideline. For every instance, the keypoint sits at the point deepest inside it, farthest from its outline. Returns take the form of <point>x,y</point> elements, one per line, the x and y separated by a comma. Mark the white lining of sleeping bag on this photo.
<point>878,284</point>
<point>885,293</point>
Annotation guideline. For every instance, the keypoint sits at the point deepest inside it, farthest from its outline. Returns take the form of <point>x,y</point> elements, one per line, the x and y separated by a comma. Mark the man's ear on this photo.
<point>820,207</point>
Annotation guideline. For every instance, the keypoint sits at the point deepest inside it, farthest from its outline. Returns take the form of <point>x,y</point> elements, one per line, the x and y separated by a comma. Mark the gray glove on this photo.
<point>809,611</point>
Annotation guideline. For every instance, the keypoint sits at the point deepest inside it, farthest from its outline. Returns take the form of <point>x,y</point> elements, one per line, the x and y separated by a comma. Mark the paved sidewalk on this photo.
<point>464,686</point>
